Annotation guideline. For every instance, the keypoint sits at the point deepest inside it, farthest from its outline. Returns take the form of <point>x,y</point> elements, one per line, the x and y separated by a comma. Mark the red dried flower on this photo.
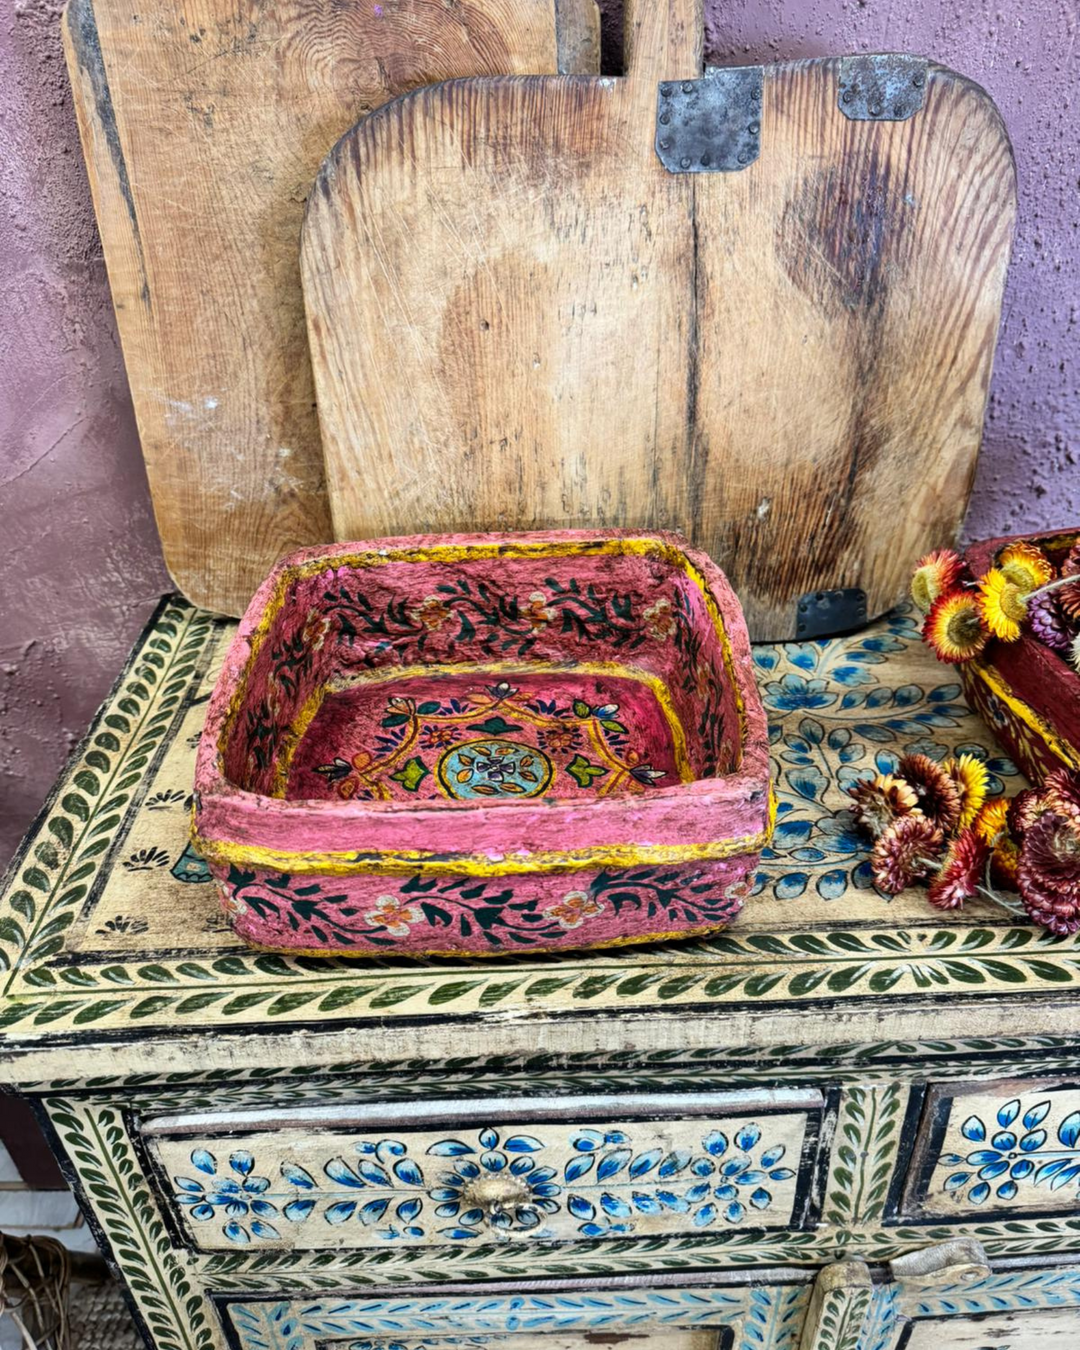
<point>1069,596</point>
<point>1050,856</point>
<point>935,575</point>
<point>1024,809</point>
<point>905,852</point>
<point>938,796</point>
<point>878,801</point>
<point>1056,910</point>
<point>1061,793</point>
<point>961,872</point>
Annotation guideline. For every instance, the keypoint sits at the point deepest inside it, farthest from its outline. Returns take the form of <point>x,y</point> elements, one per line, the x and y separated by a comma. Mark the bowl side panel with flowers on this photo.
<point>616,851</point>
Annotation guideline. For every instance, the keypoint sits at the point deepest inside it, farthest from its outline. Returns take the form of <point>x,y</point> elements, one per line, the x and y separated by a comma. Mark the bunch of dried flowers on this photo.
<point>934,822</point>
<point>1023,591</point>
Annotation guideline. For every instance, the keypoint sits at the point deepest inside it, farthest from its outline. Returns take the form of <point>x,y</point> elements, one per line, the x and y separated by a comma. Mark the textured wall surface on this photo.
<point>79,561</point>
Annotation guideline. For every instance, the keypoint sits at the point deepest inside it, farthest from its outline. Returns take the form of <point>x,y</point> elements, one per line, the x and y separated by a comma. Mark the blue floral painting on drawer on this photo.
<point>1013,1152</point>
<point>833,719</point>
<point>494,1186</point>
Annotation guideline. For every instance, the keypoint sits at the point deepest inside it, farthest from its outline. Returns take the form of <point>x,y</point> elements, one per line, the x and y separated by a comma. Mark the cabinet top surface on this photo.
<point>114,949</point>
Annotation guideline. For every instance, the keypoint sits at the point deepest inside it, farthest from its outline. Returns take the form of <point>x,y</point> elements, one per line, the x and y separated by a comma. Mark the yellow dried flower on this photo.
<point>1004,605</point>
<point>972,779</point>
<point>1025,565</point>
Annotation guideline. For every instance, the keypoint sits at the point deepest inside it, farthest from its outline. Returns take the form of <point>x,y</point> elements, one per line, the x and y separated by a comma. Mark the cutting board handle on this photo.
<point>663,40</point>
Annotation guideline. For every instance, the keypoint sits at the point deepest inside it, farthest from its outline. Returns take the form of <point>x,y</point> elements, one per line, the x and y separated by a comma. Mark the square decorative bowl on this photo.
<point>476,744</point>
<point>1027,694</point>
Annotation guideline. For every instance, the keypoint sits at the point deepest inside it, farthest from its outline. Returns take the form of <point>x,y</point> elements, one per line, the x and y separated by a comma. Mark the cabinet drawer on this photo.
<point>1050,1329</point>
<point>764,1316</point>
<point>1011,1146</point>
<point>549,1170</point>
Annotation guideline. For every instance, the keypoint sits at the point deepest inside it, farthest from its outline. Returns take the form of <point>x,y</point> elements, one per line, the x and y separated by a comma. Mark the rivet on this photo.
<point>706,160</point>
<point>755,94</point>
<point>754,128</point>
<point>847,95</point>
<point>688,88</point>
<point>665,91</point>
<point>898,111</point>
<point>744,156</point>
<point>875,109</point>
<point>665,145</point>
<point>665,118</point>
<point>918,81</point>
<point>684,162</point>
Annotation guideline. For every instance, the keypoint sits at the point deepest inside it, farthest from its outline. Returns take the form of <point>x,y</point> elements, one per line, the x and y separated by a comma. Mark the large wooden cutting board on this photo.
<point>519,318</point>
<point>203,125</point>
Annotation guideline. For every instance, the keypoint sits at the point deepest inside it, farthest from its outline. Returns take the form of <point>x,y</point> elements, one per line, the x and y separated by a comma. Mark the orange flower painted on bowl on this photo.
<point>316,627</point>
<point>538,612</point>
<point>558,736</point>
<point>574,909</point>
<point>660,619</point>
<point>438,736</point>
<point>431,613</point>
<point>703,679</point>
<point>392,915</point>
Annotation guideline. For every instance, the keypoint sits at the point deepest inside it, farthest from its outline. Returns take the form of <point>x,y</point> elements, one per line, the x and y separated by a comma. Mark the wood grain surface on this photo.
<point>519,318</point>
<point>203,127</point>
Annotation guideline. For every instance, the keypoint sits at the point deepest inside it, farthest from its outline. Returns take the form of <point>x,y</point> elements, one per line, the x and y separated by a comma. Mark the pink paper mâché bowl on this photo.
<point>479,744</point>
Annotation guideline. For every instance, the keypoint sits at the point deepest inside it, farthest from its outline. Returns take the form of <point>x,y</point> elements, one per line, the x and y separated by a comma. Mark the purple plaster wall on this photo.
<point>80,566</point>
<point>79,561</point>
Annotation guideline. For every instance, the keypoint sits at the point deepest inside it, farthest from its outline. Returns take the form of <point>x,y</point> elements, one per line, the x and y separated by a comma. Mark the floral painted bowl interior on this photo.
<point>528,717</point>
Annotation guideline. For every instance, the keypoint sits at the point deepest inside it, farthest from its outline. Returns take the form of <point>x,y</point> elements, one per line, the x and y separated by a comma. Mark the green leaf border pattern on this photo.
<point>51,878</point>
<point>865,1152</point>
<point>97,1144</point>
<point>840,1322</point>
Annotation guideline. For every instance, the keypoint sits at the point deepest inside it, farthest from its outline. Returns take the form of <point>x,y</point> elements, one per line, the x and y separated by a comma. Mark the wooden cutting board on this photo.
<point>520,318</point>
<point>203,126</point>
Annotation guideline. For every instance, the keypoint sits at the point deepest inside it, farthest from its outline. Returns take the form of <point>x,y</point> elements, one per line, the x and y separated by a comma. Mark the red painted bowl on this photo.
<point>1027,694</point>
<point>477,744</point>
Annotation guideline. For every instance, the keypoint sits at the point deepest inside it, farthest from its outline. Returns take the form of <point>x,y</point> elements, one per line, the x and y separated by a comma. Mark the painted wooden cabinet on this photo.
<point>846,1122</point>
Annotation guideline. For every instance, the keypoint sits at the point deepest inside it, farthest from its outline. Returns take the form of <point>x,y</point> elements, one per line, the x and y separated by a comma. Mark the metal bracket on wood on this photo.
<point>711,125</point>
<point>824,613</point>
<point>887,88</point>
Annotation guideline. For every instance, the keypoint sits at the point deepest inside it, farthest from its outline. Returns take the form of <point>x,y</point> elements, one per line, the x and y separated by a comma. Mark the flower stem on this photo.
<point>1054,585</point>
<point>1010,906</point>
